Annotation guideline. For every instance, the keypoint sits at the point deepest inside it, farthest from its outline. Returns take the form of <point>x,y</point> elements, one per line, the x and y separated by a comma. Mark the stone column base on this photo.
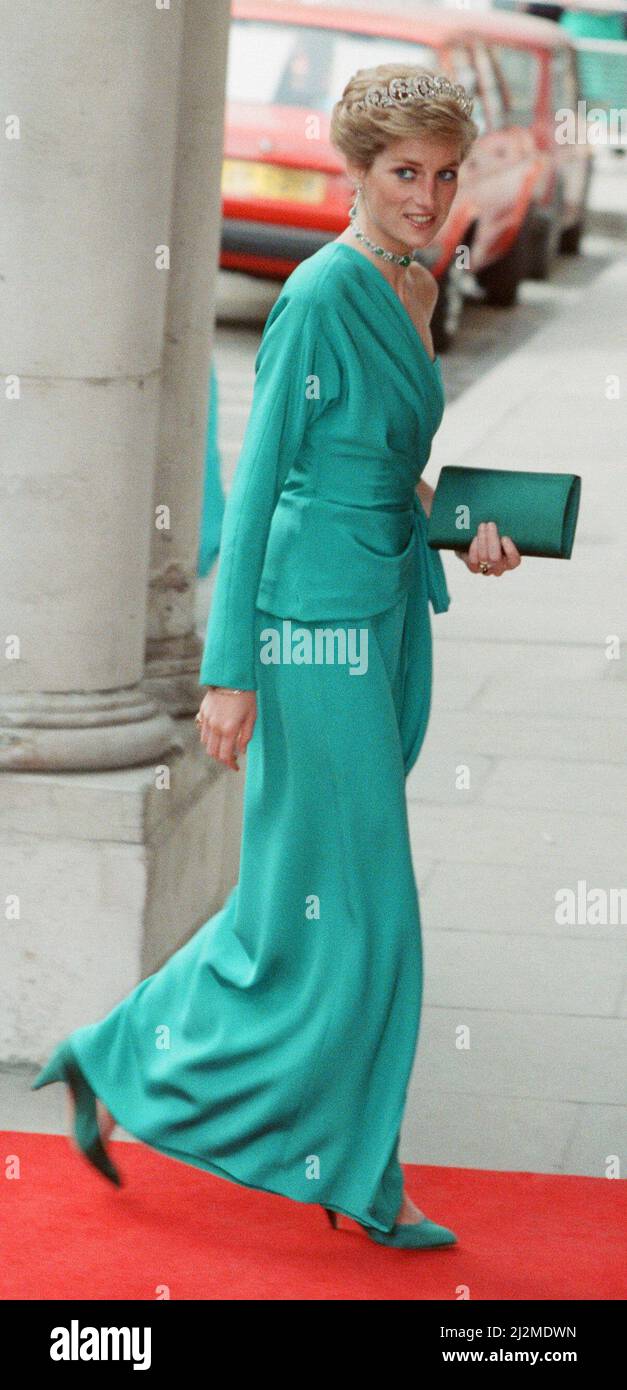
<point>86,730</point>
<point>105,874</point>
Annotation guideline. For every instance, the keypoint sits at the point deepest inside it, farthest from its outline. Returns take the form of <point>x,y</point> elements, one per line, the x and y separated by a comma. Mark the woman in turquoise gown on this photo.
<point>275,1047</point>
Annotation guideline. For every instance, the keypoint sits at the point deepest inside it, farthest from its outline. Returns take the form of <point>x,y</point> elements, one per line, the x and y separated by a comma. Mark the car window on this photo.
<point>464,71</point>
<point>490,86</point>
<point>521,70</point>
<point>302,65</point>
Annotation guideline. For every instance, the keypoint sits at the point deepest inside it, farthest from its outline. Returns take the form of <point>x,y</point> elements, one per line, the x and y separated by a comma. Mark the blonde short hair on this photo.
<point>360,135</point>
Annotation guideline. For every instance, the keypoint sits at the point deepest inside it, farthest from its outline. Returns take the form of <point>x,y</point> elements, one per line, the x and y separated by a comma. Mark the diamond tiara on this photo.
<point>402,90</point>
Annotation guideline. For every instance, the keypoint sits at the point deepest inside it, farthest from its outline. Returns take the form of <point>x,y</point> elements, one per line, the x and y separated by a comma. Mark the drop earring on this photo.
<point>353,209</point>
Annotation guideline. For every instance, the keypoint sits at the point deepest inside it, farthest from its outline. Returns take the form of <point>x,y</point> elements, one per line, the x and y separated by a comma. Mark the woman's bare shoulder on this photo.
<point>423,285</point>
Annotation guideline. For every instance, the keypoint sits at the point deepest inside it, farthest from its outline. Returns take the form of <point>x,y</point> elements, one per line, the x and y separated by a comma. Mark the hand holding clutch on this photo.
<point>538,511</point>
<point>489,552</point>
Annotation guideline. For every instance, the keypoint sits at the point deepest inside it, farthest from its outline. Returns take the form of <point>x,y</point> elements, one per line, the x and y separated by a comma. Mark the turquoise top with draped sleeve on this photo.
<point>323,519</point>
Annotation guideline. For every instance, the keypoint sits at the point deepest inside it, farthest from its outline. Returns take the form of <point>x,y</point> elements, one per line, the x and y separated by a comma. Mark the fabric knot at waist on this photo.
<point>431,560</point>
<point>326,558</point>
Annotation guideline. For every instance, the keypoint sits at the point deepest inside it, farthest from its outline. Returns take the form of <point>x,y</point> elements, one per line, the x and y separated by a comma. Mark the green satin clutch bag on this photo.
<point>538,510</point>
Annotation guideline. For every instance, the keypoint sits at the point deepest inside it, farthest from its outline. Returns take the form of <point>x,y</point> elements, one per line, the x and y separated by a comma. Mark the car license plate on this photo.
<point>243,178</point>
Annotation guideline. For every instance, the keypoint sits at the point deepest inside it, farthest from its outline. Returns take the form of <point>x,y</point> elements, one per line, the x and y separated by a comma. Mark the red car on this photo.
<point>284,189</point>
<point>537,65</point>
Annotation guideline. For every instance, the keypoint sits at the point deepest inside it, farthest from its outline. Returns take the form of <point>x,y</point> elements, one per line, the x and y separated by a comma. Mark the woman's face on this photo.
<point>408,190</point>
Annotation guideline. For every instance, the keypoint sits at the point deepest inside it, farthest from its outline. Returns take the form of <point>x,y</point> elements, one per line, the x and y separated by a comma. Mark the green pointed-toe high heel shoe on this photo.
<point>62,1066</point>
<point>421,1235</point>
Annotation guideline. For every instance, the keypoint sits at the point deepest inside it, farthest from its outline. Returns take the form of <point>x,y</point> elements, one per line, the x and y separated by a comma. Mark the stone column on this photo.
<point>118,835</point>
<point>173,650</point>
<point>90,107</point>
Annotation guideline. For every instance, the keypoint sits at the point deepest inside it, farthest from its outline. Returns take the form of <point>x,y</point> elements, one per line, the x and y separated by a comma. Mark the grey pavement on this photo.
<point>520,792</point>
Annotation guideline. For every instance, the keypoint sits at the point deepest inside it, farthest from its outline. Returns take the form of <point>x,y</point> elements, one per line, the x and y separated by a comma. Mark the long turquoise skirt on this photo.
<point>275,1047</point>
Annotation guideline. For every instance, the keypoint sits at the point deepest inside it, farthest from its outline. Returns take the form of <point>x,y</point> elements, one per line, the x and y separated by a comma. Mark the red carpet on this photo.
<point>175,1231</point>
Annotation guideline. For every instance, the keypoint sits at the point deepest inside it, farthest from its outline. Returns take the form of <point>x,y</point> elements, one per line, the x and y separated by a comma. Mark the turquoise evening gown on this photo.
<point>275,1047</point>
